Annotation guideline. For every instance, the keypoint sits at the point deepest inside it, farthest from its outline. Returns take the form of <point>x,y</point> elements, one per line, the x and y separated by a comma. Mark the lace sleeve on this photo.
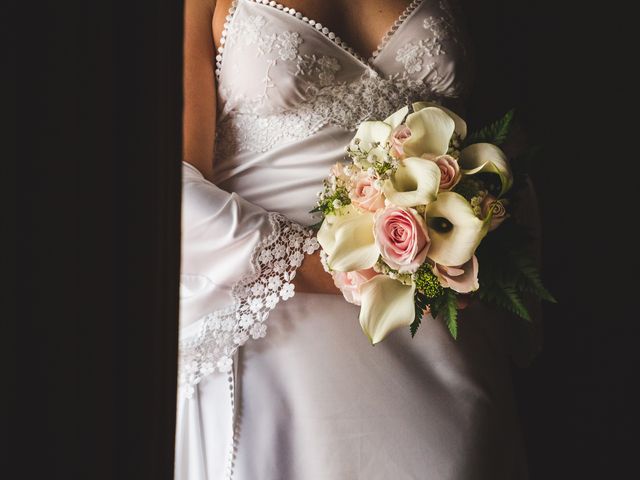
<point>272,266</point>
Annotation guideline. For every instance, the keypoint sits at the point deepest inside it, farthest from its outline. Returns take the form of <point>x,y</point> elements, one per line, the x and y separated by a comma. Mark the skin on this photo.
<point>361,23</point>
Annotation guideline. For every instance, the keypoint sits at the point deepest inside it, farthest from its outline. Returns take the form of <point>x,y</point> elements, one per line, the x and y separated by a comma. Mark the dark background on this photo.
<point>562,65</point>
<point>95,162</point>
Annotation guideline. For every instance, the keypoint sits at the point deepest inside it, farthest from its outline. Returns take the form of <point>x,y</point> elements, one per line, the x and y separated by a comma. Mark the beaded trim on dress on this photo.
<point>396,25</point>
<point>298,15</point>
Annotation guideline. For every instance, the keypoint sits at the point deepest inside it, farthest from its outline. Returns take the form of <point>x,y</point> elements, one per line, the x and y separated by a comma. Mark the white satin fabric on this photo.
<point>313,399</point>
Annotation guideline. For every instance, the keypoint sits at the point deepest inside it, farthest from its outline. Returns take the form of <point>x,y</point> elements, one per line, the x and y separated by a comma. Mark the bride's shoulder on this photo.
<point>203,5</point>
<point>200,11</point>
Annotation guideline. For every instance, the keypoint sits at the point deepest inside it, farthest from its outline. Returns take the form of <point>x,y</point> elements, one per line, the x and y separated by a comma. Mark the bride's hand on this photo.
<point>312,278</point>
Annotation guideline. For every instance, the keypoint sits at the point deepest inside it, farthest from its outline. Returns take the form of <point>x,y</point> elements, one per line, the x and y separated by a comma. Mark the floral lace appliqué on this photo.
<point>274,262</point>
<point>445,27</point>
<point>411,54</point>
<point>346,105</point>
<point>250,32</point>
<point>323,67</point>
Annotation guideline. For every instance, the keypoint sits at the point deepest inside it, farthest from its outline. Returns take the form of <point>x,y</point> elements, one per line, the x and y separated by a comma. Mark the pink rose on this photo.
<point>402,238</point>
<point>490,204</point>
<point>349,283</point>
<point>365,195</point>
<point>399,135</point>
<point>462,279</point>
<point>449,170</point>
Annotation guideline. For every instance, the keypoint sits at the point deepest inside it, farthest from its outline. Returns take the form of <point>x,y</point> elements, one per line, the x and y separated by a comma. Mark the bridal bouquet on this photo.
<point>412,223</point>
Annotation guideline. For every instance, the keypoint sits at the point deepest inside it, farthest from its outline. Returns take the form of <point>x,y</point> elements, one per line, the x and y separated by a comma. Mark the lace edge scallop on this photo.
<point>274,262</point>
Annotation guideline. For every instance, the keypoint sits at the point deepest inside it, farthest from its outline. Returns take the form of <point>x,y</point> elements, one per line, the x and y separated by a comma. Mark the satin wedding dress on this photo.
<point>279,385</point>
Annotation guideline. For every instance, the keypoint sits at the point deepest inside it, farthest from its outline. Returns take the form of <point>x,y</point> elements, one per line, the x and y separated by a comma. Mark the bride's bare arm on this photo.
<point>311,277</point>
<point>199,118</point>
<point>199,99</point>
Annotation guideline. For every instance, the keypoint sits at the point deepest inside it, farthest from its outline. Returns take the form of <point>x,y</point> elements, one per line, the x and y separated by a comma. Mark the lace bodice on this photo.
<point>282,76</point>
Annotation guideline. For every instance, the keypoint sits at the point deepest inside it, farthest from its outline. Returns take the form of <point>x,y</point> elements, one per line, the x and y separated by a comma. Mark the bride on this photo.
<point>277,380</point>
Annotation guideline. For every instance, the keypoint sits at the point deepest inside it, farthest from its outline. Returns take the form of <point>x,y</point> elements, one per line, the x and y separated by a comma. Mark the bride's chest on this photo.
<point>362,23</point>
<point>275,58</point>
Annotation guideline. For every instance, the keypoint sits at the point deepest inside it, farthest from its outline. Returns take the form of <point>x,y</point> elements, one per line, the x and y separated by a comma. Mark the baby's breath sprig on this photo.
<point>455,145</point>
<point>377,160</point>
<point>357,155</point>
<point>329,202</point>
<point>384,164</point>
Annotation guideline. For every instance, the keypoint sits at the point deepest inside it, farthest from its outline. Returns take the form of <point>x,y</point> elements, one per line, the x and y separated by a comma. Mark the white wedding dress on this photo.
<point>308,397</point>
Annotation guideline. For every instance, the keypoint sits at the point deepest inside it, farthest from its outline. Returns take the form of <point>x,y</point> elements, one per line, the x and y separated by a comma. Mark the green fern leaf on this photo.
<point>511,301</point>
<point>495,133</point>
<point>420,303</point>
<point>529,279</point>
<point>505,297</point>
<point>450,312</point>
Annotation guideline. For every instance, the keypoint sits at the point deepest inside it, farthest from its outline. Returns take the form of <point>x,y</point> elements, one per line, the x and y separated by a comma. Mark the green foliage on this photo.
<point>326,205</point>
<point>495,133</point>
<point>469,186</point>
<point>506,297</point>
<point>508,270</point>
<point>450,312</point>
<point>382,168</point>
<point>446,304</point>
<point>421,302</point>
<point>530,280</point>
<point>427,283</point>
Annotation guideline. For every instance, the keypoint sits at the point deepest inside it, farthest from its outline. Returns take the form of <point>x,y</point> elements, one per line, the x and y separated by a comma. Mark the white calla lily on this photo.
<point>415,182</point>
<point>370,133</point>
<point>387,304</point>
<point>431,131</point>
<point>396,118</point>
<point>453,240</point>
<point>486,157</point>
<point>460,124</point>
<point>348,240</point>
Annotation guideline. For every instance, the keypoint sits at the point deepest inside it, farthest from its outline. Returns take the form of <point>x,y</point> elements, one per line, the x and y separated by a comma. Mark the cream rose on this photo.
<point>365,194</point>
<point>449,170</point>
<point>349,283</point>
